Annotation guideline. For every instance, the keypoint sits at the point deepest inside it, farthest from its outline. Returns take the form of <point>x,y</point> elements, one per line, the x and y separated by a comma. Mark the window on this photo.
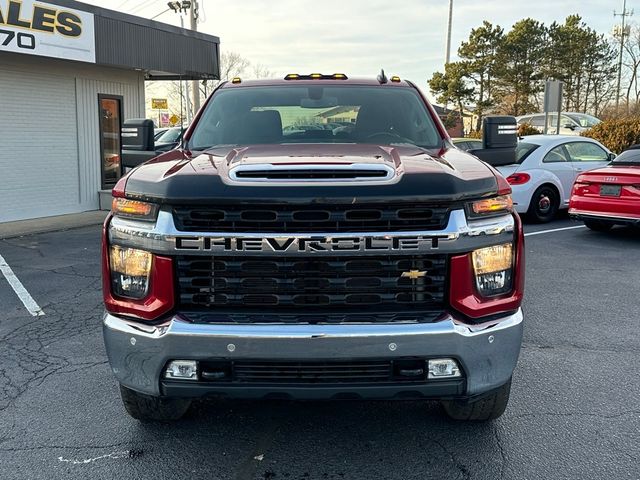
<point>556,155</point>
<point>170,136</point>
<point>537,121</point>
<point>315,114</point>
<point>567,122</point>
<point>110,124</point>
<point>584,120</point>
<point>628,157</point>
<point>586,152</point>
<point>523,150</point>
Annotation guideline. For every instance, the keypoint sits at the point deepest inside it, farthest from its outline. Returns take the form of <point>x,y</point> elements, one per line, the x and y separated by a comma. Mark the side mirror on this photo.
<point>611,156</point>
<point>137,142</point>
<point>499,140</point>
<point>570,126</point>
<point>137,134</point>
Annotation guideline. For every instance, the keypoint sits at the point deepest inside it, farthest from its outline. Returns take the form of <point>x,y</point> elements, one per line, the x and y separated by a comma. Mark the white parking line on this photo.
<point>553,230</point>
<point>28,301</point>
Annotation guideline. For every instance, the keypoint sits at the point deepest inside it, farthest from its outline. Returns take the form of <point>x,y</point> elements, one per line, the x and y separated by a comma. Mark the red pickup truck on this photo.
<point>316,237</point>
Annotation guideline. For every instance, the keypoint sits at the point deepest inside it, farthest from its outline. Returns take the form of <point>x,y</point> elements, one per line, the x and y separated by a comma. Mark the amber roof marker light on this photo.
<point>316,76</point>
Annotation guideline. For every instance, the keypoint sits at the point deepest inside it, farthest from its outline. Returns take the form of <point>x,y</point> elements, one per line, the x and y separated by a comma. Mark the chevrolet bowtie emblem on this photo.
<point>413,274</point>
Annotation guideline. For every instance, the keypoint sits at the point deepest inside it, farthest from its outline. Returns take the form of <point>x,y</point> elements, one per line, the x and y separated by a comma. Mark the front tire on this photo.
<point>544,205</point>
<point>488,407</point>
<point>598,225</point>
<point>148,408</point>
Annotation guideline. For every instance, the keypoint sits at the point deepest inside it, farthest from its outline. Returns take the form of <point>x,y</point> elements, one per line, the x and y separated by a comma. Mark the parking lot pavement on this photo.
<point>574,410</point>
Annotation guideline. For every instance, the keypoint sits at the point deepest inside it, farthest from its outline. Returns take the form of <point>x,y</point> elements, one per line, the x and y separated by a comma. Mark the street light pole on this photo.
<point>181,7</point>
<point>193,14</point>
<point>624,16</point>
<point>447,55</point>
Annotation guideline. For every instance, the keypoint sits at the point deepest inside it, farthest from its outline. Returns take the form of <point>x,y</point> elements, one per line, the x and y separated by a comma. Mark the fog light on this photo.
<point>182,370</point>
<point>443,368</point>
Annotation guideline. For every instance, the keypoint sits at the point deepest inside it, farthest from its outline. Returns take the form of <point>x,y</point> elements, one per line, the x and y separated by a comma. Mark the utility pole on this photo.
<point>180,7</point>
<point>194,13</point>
<point>447,55</point>
<point>622,32</point>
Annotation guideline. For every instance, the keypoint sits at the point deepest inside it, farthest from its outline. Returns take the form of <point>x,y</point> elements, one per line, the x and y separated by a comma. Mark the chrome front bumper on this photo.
<point>138,353</point>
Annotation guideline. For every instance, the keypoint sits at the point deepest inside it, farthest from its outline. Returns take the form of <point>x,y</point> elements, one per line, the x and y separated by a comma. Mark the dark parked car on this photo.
<point>169,140</point>
<point>467,144</point>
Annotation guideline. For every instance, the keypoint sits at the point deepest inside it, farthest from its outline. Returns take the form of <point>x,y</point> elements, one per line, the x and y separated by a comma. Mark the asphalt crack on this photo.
<point>466,473</point>
<point>503,455</point>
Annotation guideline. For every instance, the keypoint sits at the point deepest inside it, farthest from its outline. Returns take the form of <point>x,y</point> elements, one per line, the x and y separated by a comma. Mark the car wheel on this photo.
<point>148,408</point>
<point>488,407</point>
<point>544,205</point>
<point>599,225</point>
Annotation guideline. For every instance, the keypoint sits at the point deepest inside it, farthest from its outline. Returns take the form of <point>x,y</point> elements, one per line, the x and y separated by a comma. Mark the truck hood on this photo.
<point>414,174</point>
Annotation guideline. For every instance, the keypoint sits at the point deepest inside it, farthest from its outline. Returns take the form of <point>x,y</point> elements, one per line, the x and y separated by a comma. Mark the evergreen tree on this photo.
<point>521,64</point>
<point>478,54</point>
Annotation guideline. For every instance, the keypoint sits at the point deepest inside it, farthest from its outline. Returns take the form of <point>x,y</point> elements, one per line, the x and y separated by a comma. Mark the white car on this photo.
<point>547,166</point>
<point>571,123</point>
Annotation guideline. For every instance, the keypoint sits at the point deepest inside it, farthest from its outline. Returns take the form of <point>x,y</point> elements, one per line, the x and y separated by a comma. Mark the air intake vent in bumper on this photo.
<point>399,371</point>
<point>287,218</point>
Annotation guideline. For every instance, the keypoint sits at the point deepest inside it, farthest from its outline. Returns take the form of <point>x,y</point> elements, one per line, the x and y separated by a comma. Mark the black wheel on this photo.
<point>487,408</point>
<point>544,205</point>
<point>599,225</point>
<point>148,408</point>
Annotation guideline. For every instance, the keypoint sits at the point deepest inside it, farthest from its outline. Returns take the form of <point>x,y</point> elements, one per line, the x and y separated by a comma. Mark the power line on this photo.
<point>142,6</point>
<point>161,13</point>
<point>122,4</point>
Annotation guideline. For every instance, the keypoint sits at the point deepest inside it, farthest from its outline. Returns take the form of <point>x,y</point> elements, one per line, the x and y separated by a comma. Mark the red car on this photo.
<point>609,196</point>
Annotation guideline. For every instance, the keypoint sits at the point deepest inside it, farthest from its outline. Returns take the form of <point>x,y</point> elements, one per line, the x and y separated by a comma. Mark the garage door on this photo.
<point>38,145</point>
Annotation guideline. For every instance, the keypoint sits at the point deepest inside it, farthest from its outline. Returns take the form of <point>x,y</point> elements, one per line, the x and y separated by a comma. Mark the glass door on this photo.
<point>110,110</point>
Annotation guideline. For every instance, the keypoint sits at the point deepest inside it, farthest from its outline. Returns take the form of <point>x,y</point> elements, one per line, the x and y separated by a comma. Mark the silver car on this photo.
<point>571,123</point>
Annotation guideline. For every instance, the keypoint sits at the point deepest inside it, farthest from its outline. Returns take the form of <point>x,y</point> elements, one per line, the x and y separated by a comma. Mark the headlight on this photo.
<point>490,206</point>
<point>123,207</point>
<point>130,269</point>
<point>493,268</point>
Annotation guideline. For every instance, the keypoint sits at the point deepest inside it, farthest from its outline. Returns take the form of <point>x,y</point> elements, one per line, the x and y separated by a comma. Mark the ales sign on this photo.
<point>39,28</point>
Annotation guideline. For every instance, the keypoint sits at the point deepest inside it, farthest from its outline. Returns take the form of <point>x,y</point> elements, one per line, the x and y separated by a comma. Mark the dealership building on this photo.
<point>70,74</point>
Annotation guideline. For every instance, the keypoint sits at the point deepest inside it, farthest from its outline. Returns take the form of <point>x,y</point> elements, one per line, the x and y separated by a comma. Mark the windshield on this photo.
<point>170,136</point>
<point>523,150</point>
<point>628,157</point>
<point>584,120</point>
<point>315,114</point>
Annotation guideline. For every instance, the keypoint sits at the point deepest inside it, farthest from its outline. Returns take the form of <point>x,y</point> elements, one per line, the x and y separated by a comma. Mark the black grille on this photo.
<point>328,372</point>
<point>319,219</point>
<point>327,284</point>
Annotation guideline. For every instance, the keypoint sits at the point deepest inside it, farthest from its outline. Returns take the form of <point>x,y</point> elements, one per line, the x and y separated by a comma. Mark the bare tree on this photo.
<point>632,64</point>
<point>232,65</point>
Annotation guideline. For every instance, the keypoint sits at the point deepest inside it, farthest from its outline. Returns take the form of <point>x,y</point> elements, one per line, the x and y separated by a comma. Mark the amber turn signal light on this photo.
<point>488,206</point>
<point>125,207</point>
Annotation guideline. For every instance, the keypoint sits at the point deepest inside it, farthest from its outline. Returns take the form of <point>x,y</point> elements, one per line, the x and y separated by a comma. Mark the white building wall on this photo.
<point>49,133</point>
<point>38,145</point>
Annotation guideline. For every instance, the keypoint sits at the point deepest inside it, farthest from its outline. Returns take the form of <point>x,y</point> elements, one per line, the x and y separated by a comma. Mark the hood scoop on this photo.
<point>309,174</point>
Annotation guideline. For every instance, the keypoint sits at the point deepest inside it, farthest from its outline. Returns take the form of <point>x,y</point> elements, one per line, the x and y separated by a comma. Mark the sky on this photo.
<point>359,37</point>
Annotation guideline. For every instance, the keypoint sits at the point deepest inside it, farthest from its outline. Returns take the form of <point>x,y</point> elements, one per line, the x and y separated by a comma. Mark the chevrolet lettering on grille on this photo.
<point>308,245</point>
